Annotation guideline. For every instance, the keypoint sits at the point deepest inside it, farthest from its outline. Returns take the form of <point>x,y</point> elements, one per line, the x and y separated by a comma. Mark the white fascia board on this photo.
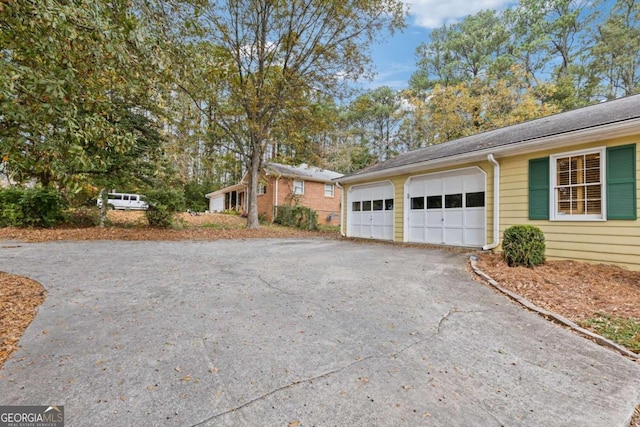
<point>583,136</point>
<point>224,190</point>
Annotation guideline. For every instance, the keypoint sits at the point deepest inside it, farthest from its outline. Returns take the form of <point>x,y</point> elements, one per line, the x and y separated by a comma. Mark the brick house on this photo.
<point>284,185</point>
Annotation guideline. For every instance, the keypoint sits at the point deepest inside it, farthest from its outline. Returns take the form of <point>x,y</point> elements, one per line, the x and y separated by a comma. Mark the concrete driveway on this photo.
<point>296,332</point>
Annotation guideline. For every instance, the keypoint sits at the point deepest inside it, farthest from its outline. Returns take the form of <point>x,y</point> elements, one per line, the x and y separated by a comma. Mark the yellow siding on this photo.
<point>592,241</point>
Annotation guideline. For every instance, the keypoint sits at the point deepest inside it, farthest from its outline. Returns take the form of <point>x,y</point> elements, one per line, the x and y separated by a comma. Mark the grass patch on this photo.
<point>624,331</point>
<point>329,228</point>
<point>221,227</point>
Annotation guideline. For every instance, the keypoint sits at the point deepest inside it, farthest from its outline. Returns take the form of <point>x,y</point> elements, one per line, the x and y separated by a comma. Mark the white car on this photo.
<point>125,201</point>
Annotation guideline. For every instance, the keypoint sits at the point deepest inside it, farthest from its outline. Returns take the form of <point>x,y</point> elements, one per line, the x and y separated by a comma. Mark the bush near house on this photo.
<point>163,204</point>
<point>523,245</point>
<point>31,207</point>
<point>296,216</point>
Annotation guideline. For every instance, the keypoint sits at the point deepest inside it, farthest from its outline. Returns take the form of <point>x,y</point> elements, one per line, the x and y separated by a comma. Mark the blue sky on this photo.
<point>395,58</point>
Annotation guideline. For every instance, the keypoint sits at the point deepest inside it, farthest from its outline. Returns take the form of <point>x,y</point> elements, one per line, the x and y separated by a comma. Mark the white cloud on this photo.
<point>394,75</point>
<point>434,13</point>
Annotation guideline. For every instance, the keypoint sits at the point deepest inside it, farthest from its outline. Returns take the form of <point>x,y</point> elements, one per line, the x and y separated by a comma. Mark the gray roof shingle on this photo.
<point>605,113</point>
<point>302,171</point>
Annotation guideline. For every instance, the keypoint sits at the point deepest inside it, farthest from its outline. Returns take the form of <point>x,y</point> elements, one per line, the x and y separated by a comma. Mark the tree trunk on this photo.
<point>254,176</point>
<point>103,207</point>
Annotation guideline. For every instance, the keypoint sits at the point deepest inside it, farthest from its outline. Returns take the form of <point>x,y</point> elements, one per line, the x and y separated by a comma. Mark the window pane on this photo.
<point>592,168</point>
<point>328,190</point>
<point>366,205</point>
<point>434,202</point>
<point>355,207</point>
<point>453,201</point>
<point>594,200</point>
<point>475,200</point>
<point>388,205</point>
<point>378,204</point>
<point>594,192</point>
<point>578,185</point>
<point>563,165</point>
<point>563,178</point>
<point>594,207</point>
<point>417,203</point>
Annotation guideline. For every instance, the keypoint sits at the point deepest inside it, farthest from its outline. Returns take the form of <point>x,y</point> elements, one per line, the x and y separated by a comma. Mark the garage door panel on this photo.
<point>375,218</point>
<point>473,184</point>
<point>433,187</point>
<point>417,219</point>
<point>434,235</point>
<point>474,218</point>
<point>453,218</point>
<point>473,235</point>
<point>416,234</point>
<point>452,185</point>
<point>454,211</point>
<point>453,236</point>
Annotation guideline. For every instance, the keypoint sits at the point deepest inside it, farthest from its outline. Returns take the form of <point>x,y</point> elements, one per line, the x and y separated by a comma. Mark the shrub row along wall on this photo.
<point>296,216</point>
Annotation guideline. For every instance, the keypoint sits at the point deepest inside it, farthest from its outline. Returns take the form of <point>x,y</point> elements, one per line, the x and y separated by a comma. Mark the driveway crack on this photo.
<point>491,414</point>
<point>443,318</point>
<point>438,328</point>
<point>284,387</point>
<point>270,286</point>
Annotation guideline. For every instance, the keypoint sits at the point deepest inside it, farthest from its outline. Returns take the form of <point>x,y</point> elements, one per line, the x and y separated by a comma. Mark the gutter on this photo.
<point>496,204</point>
<point>274,213</point>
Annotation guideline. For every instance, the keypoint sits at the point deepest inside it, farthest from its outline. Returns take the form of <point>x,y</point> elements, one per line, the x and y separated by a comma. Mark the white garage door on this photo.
<point>216,204</point>
<point>370,211</point>
<point>447,208</point>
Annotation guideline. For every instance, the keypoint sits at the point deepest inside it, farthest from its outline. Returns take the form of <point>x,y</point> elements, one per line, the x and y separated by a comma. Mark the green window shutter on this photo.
<point>621,182</point>
<point>539,188</point>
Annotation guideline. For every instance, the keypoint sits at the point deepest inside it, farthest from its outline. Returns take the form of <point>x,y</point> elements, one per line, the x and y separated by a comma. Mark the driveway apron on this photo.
<point>300,332</point>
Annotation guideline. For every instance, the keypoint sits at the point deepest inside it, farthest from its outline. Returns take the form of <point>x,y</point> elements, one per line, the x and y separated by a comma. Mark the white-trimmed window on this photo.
<point>328,190</point>
<point>298,187</point>
<point>577,182</point>
<point>262,188</point>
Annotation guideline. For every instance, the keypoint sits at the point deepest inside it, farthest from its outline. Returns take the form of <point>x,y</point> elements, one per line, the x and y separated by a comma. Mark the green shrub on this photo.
<point>194,196</point>
<point>296,216</point>
<point>31,207</point>
<point>523,245</point>
<point>163,205</point>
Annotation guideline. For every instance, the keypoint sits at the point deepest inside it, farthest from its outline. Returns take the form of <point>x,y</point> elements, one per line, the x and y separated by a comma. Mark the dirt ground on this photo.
<point>575,290</point>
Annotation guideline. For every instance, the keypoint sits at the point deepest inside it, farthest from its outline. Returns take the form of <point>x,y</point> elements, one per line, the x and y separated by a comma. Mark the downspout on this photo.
<point>496,204</point>
<point>274,214</point>
<point>342,205</point>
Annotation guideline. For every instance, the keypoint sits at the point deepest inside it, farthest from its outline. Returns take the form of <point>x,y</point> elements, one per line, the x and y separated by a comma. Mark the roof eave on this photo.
<point>300,177</point>
<point>235,187</point>
<point>588,135</point>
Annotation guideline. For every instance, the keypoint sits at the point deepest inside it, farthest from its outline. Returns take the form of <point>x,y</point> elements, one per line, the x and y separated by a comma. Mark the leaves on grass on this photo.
<point>20,298</point>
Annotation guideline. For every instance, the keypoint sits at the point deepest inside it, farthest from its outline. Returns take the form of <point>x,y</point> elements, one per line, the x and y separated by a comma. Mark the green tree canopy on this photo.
<point>272,57</point>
